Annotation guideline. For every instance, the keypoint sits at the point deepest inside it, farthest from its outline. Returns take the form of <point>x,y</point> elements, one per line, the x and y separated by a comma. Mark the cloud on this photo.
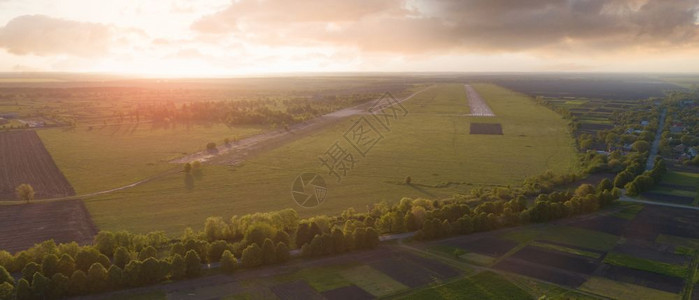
<point>423,26</point>
<point>43,35</point>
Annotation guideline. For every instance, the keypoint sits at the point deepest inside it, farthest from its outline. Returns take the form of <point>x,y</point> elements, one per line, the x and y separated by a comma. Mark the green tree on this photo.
<point>640,146</point>
<point>97,278</point>
<point>6,291</point>
<point>66,265</point>
<point>148,252</point>
<point>105,242</point>
<point>115,277</point>
<point>584,190</point>
<point>59,286</point>
<point>605,185</point>
<point>23,290</point>
<point>86,257</point>
<point>49,265</point>
<point>5,276</point>
<point>269,256</point>
<point>121,257</point>
<point>178,268</point>
<point>41,285</point>
<point>252,256</point>
<point>193,263</point>
<point>29,270</point>
<point>282,252</point>
<point>216,249</point>
<point>228,261</point>
<point>25,192</point>
<point>151,271</point>
<point>77,285</point>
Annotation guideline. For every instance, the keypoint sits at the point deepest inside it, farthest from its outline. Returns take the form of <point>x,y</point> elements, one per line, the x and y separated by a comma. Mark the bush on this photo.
<point>408,180</point>
<point>211,146</point>
<point>25,192</point>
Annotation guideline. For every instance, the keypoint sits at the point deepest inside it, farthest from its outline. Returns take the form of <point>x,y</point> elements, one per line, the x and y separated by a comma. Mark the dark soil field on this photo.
<point>295,290</point>
<point>560,260</point>
<point>490,246</point>
<point>541,272</point>
<point>644,278</point>
<point>652,221</point>
<point>611,225</point>
<point>441,270</point>
<point>403,271</point>
<point>351,292</point>
<point>23,159</point>
<point>22,226</point>
<point>486,128</point>
<point>677,187</point>
<point>668,198</point>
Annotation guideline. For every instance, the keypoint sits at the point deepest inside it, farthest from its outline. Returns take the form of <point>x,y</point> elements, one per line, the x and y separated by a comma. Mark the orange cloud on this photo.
<point>43,35</point>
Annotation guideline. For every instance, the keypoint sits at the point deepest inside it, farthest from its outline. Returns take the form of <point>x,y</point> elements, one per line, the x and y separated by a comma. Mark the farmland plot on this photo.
<point>23,159</point>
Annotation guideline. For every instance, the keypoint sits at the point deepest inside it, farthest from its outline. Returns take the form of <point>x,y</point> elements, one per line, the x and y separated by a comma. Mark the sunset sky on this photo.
<point>222,37</point>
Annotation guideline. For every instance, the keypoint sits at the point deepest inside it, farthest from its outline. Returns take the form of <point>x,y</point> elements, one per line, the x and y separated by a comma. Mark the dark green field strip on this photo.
<point>485,285</point>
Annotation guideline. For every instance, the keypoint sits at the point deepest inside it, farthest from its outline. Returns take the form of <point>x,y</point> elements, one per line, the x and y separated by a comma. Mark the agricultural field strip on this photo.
<point>478,106</point>
<point>316,123</point>
<point>24,159</point>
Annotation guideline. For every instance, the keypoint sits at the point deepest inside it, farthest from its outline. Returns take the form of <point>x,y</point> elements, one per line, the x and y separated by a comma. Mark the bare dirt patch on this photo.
<point>606,224</point>
<point>490,246</point>
<point>486,128</point>
<point>652,221</point>
<point>541,272</point>
<point>563,261</point>
<point>22,226</point>
<point>644,278</point>
<point>23,159</point>
<point>403,271</point>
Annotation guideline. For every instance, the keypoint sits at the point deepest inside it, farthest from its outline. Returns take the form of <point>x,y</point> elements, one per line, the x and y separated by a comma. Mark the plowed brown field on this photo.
<point>23,159</point>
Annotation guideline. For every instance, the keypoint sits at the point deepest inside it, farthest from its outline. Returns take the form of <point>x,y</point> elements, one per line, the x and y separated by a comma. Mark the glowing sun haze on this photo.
<point>219,37</point>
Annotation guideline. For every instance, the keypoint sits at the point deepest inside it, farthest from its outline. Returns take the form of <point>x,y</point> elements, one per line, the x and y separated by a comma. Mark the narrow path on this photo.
<point>656,143</point>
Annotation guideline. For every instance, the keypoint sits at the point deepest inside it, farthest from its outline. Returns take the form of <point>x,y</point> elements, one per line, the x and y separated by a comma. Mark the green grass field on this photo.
<point>484,285</point>
<point>113,156</point>
<point>431,144</point>
<point>646,265</point>
<point>620,290</point>
<point>565,234</point>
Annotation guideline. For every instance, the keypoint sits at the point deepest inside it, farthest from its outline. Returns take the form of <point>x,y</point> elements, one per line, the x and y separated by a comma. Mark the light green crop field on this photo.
<point>114,156</point>
<point>431,144</point>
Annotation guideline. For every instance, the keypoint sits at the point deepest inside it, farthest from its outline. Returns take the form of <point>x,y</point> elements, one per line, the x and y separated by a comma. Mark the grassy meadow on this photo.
<point>431,144</point>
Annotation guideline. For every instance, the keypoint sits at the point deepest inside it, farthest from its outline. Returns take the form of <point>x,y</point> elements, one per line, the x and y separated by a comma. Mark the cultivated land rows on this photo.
<point>23,159</point>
